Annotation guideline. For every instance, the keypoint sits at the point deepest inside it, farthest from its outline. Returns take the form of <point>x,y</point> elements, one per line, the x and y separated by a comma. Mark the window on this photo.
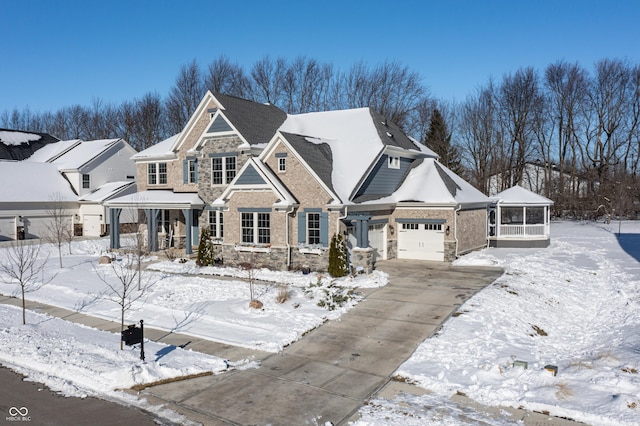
<point>313,228</point>
<point>223,170</point>
<point>192,170</point>
<point>535,215</point>
<point>157,173</point>
<point>407,226</point>
<point>394,162</point>
<point>86,182</point>
<point>216,224</point>
<point>164,224</point>
<point>433,226</point>
<point>256,228</point>
<point>511,216</point>
<point>282,164</point>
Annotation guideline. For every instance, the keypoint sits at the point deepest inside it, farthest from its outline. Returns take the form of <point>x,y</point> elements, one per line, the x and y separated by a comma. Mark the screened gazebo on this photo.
<point>519,218</point>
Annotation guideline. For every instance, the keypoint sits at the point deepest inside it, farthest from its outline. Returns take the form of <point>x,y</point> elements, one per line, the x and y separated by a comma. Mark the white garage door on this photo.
<point>91,225</point>
<point>421,241</point>
<point>378,240</point>
<point>7,228</point>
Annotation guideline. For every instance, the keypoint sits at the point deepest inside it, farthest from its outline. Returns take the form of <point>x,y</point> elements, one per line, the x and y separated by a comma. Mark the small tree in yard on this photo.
<point>206,252</point>
<point>250,269</point>
<point>127,286</point>
<point>59,224</point>
<point>338,264</point>
<point>24,265</point>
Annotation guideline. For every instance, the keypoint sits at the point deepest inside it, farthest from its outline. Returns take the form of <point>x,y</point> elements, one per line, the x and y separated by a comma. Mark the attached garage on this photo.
<point>7,228</point>
<point>378,240</point>
<point>421,239</point>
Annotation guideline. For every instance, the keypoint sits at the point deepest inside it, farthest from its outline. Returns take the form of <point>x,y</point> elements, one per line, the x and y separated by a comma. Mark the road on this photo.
<point>33,403</point>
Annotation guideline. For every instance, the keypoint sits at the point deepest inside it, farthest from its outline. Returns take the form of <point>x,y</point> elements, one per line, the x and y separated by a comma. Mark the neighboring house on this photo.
<point>535,178</point>
<point>273,189</point>
<point>75,176</point>
<point>519,218</point>
<point>18,145</point>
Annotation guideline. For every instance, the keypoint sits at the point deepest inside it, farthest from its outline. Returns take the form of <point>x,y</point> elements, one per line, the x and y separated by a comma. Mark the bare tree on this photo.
<point>122,279</point>
<point>184,97</point>
<point>59,223</point>
<point>24,265</point>
<point>268,77</point>
<point>226,77</point>
<point>250,269</point>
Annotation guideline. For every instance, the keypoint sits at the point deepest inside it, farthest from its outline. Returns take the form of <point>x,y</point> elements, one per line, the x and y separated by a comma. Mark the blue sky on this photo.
<point>59,53</point>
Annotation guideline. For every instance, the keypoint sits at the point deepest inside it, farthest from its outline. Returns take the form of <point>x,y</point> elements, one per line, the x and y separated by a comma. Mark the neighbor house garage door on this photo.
<point>7,228</point>
<point>91,225</point>
<point>378,240</point>
<point>421,241</point>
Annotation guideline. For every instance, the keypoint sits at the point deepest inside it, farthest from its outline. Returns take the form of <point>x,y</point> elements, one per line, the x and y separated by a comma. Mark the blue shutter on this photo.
<point>185,172</point>
<point>324,229</point>
<point>196,169</point>
<point>302,228</point>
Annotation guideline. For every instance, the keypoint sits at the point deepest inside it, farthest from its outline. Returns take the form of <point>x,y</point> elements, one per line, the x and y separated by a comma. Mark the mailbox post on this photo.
<point>134,335</point>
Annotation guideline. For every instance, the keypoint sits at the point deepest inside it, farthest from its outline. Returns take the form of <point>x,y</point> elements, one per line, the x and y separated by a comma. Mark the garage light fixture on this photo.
<point>447,231</point>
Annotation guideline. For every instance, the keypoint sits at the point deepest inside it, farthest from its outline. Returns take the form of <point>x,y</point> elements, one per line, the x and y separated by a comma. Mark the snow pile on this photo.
<point>574,305</point>
<point>79,361</point>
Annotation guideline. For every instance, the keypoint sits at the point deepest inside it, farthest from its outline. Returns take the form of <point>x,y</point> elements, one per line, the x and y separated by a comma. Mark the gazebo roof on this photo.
<point>519,196</point>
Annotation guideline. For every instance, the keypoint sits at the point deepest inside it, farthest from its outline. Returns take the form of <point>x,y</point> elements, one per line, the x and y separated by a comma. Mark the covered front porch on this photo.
<point>519,218</point>
<point>167,219</point>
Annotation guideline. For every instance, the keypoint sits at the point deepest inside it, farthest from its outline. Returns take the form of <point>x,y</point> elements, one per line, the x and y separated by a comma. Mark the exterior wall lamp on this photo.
<point>447,231</point>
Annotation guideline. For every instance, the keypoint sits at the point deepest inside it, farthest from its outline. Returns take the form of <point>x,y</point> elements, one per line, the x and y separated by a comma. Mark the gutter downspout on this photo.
<point>286,235</point>
<point>455,227</point>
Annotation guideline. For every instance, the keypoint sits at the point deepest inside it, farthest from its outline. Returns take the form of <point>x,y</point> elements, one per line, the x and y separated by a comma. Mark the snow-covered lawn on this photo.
<point>574,305</point>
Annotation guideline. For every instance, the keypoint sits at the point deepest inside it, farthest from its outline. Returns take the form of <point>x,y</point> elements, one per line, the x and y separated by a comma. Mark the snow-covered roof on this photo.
<point>16,137</point>
<point>431,182</point>
<point>352,136</point>
<point>519,196</point>
<point>157,199</point>
<point>160,150</point>
<point>83,153</point>
<point>106,191</point>
<point>24,181</point>
<point>53,150</point>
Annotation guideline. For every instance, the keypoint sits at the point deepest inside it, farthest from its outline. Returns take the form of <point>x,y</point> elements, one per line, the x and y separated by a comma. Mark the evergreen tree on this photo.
<point>439,140</point>
<point>338,264</point>
<point>206,253</point>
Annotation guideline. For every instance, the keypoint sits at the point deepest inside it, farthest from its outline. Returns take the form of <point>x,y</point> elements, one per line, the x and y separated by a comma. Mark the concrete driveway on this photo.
<point>328,374</point>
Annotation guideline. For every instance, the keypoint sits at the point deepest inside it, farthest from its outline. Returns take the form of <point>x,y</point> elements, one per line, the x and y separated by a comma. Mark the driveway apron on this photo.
<point>328,374</point>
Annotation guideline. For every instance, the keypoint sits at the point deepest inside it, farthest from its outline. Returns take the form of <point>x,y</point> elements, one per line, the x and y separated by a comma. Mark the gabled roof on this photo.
<point>256,122</point>
<point>520,196</point>
<point>53,150</point>
<point>268,180</point>
<point>25,181</point>
<point>107,191</point>
<point>18,144</point>
<point>430,182</point>
<point>316,153</point>
<point>83,153</point>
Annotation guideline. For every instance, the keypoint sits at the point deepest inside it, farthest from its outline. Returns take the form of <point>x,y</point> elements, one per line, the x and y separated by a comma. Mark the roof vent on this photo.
<point>389,134</point>
<point>385,122</point>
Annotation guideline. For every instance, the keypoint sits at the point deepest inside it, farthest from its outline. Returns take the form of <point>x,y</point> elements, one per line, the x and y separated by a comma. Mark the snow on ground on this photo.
<point>574,305</point>
<point>200,305</point>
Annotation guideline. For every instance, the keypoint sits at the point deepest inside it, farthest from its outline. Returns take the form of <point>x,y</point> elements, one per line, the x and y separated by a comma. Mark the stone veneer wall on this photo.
<point>472,230</point>
<point>362,258</point>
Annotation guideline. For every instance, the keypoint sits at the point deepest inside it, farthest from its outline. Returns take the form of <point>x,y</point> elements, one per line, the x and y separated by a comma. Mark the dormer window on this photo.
<point>394,162</point>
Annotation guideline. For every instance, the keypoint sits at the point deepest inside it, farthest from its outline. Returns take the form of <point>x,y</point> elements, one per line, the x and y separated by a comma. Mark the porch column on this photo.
<point>152,229</point>
<point>114,231</point>
<point>188,216</point>
<point>362,229</point>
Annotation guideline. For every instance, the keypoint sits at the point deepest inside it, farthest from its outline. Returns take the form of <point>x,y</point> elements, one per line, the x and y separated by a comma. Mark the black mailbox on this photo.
<point>132,335</point>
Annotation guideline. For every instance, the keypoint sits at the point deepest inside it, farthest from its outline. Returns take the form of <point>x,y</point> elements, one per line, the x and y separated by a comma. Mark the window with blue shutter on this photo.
<point>313,227</point>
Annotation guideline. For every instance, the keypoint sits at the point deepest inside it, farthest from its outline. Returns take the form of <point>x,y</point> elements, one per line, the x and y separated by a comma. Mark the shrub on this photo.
<point>206,253</point>
<point>338,263</point>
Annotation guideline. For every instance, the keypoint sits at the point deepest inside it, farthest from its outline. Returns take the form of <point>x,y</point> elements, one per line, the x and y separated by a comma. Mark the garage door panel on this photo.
<point>421,242</point>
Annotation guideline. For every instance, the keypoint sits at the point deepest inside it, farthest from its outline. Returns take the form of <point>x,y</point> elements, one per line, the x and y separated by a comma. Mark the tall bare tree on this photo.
<point>59,223</point>
<point>224,76</point>
<point>184,97</point>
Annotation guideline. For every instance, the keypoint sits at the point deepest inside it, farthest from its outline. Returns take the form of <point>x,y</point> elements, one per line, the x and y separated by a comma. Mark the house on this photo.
<point>74,177</point>
<point>519,218</point>
<point>274,188</point>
